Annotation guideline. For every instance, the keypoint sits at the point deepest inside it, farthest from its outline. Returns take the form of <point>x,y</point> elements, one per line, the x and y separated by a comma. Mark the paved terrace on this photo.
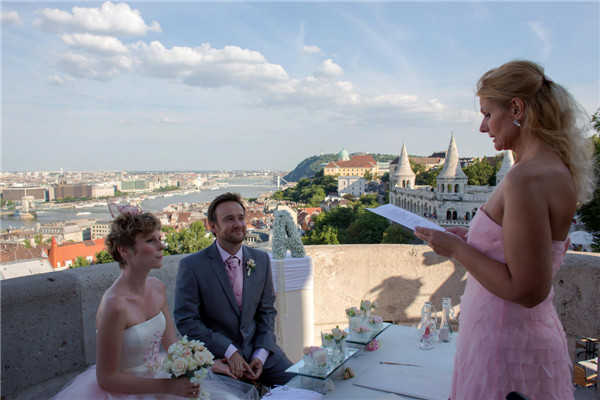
<point>48,320</point>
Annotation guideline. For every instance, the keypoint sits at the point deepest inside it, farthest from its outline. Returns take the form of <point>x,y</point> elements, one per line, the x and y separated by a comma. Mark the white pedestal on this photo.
<point>294,325</point>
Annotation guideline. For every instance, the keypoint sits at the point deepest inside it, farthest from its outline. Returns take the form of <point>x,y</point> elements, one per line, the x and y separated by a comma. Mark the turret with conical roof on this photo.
<point>452,179</point>
<point>507,164</point>
<point>404,176</point>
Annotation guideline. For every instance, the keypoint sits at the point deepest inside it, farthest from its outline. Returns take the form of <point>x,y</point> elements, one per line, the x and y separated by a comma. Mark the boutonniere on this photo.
<point>250,265</point>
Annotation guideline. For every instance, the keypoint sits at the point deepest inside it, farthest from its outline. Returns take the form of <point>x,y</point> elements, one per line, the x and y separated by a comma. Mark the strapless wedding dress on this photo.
<point>502,346</point>
<point>140,356</point>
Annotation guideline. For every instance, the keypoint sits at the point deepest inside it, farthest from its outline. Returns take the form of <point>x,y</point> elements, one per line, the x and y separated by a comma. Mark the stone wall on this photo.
<point>48,320</point>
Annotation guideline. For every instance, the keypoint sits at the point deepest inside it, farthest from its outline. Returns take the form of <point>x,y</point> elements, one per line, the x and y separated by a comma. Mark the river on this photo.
<point>47,216</point>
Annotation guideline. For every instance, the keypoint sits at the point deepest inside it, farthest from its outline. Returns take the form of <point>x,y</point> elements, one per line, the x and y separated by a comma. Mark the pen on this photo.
<point>395,363</point>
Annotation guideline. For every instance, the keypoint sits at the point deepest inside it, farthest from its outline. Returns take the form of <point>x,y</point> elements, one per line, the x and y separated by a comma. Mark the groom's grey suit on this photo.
<point>206,308</point>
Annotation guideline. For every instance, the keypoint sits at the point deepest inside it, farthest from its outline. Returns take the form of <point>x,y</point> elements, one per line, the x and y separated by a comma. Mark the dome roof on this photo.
<point>343,155</point>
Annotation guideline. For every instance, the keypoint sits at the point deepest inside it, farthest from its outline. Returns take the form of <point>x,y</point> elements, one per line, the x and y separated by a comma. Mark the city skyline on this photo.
<point>194,86</point>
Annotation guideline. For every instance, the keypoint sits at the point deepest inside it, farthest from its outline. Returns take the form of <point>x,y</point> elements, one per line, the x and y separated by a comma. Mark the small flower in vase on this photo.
<point>314,357</point>
<point>362,332</point>
<point>339,338</point>
<point>376,322</point>
<point>250,266</point>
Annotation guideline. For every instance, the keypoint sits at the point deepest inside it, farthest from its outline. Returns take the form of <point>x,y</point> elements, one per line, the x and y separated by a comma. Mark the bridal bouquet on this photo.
<point>190,358</point>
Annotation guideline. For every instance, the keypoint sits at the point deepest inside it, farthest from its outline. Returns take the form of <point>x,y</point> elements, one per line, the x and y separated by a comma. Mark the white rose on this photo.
<point>366,305</point>
<point>179,366</point>
<point>192,365</point>
<point>337,333</point>
<point>167,365</point>
<point>375,304</point>
<point>208,357</point>
<point>199,357</point>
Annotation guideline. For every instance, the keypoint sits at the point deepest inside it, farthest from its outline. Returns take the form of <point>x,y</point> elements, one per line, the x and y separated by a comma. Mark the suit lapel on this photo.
<point>216,262</point>
<point>248,280</point>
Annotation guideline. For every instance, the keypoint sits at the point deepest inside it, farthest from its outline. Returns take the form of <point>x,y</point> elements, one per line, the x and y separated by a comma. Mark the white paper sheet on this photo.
<point>419,382</point>
<point>403,217</point>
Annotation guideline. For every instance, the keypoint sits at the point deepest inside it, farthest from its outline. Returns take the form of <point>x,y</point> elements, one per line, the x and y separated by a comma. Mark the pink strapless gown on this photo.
<point>502,346</point>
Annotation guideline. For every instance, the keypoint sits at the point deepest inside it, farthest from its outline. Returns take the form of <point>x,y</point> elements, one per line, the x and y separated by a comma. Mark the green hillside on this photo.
<point>311,165</point>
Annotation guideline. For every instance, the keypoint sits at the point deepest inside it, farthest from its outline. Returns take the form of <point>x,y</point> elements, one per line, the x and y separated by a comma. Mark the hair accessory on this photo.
<point>116,209</point>
<point>517,123</point>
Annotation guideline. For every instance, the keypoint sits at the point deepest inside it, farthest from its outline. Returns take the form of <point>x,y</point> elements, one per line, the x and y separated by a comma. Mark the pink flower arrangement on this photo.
<point>362,329</point>
<point>309,350</point>
<point>373,345</point>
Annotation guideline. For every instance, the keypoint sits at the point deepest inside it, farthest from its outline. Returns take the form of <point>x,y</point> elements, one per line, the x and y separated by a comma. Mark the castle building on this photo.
<point>355,166</point>
<point>452,202</point>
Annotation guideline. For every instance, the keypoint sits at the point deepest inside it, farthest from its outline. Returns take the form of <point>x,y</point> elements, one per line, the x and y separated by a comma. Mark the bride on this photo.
<point>133,320</point>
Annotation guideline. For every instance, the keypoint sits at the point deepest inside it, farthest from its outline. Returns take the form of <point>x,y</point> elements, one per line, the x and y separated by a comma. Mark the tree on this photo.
<point>188,240</point>
<point>27,243</point>
<point>80,262</point>
<point>368,175</point>
<point>396,234</point>
<point>479,172</point>
<point>324,235</point>
<point>590,212</point>
<point>38,238</point>
<point>428,177</point>
<point>102,257</point>
<point>368,228</point>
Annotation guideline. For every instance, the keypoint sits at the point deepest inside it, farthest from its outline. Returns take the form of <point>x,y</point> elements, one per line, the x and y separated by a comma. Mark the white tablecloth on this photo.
<point>294,325</point>
<point>398,344</point>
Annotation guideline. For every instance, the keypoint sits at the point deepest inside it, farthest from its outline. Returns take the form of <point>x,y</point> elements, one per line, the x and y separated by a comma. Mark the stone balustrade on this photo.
<point>48,320</point>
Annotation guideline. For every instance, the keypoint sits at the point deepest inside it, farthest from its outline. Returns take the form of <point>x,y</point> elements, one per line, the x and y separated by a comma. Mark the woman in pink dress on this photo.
<point>511,338</point>
<point>133,322</point>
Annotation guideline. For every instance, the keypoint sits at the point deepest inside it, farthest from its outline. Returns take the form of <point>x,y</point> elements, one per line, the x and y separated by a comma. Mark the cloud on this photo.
<point>106,45</point>
<point>126,121</point>
<point>209,67</point>
<point>92,67</point>
<point>102,98</point>
<point>311,49</point>
<point>328,69</point>
<point>56,80</point>
<point>9,18</point>
<point>166,120</point>
<point>111,19</point>
<point>543,34</point>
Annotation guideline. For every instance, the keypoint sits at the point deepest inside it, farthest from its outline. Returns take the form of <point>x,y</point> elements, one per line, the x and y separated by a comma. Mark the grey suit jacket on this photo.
<point>206,309</point>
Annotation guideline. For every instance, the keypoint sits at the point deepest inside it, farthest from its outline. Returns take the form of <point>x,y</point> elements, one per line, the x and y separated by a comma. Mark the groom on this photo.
<point>224,297</point>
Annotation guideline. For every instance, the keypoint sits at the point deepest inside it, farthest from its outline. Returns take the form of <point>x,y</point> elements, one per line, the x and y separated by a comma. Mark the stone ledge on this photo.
<point>48,320</point>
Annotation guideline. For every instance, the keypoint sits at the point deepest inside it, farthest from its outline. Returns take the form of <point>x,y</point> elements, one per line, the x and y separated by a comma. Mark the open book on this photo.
<point>404,218</point>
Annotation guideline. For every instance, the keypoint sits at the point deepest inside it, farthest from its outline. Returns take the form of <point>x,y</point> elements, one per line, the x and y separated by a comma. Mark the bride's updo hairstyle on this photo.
<point>551,113</point>
<point>124,229</point>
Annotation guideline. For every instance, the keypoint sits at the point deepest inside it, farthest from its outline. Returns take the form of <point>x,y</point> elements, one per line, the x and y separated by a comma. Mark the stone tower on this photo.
<point>404,177</point>
<point>507,164</point>
<point>452,179</point>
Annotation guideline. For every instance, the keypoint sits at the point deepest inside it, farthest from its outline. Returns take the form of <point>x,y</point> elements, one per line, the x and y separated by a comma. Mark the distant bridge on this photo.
<point>269,182</point>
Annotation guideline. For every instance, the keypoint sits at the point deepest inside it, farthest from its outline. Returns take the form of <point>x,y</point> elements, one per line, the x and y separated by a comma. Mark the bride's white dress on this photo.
<point>140,356</point>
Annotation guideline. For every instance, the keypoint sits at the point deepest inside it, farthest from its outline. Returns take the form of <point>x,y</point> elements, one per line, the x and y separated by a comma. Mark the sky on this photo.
<point>263,85</point>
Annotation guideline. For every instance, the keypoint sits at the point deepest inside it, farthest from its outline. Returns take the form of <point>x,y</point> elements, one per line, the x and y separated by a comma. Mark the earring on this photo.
<point>517,123</point>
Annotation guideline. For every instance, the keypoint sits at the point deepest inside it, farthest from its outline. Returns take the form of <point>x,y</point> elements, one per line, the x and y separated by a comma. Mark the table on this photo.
<point>398,344</point>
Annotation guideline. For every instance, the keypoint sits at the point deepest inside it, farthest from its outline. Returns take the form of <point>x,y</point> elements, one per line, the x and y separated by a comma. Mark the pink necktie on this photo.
<point>236,279</point>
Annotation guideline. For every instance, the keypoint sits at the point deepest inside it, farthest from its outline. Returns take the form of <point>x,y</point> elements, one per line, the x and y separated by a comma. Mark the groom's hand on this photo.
<point>238,365</point>
<point>257,367</point>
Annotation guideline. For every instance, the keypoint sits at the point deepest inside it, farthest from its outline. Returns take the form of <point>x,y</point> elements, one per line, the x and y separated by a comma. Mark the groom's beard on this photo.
<point>235,237</point>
